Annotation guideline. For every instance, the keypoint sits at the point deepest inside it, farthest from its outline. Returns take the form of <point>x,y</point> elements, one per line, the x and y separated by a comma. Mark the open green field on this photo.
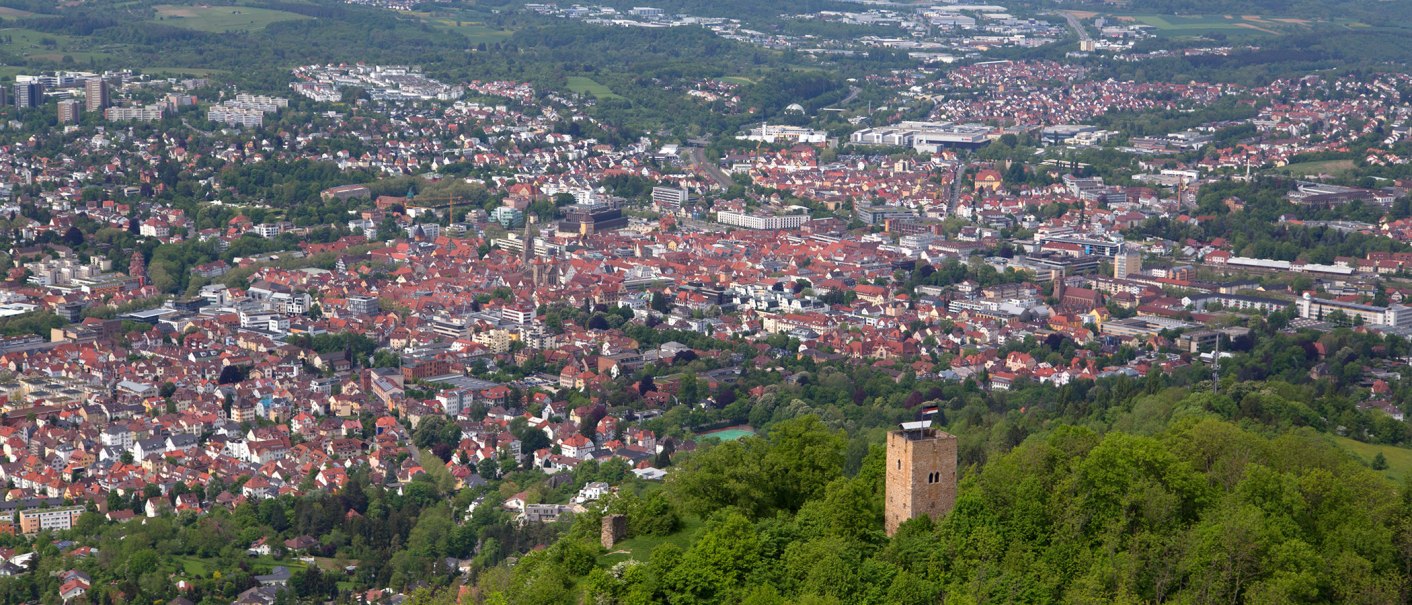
<point>1187,22</point>
<point>476,32</point>
<point>43,46</point>
<point>1197,25</point>
<point>1399,459</point>
<point>582,85</point>
<point>219,19</point>
<point>332,565</point>
<point>202,568</point>
<point>1330,167</point>
<point>197,72</point>
<point>640,548</point>
<point>741,80</point>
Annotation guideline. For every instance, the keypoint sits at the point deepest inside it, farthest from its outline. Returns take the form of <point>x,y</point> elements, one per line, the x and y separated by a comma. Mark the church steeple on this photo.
<point>137,269</point>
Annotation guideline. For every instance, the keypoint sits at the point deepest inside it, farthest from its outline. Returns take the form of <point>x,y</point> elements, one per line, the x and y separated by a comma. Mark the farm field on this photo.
<point>220,19</point>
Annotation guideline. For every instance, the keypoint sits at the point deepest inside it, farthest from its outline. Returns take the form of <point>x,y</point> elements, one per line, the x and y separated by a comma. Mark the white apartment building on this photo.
<point>762,221</point>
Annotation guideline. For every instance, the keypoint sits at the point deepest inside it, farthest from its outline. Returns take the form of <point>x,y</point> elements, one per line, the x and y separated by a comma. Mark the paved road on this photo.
<point>195,129</point>
<point>700,225</point>
<point>696,157</point>
<point>852,94</point>
<point>956,188</point>
<point>1076,26</point>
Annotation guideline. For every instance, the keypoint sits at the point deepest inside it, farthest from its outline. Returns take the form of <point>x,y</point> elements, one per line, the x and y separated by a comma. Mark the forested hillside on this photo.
<point>1201,511</point>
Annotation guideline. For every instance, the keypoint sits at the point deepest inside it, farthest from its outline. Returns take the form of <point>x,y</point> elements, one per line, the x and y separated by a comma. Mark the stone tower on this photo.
<point>921,474</point>
<point>615,528</point>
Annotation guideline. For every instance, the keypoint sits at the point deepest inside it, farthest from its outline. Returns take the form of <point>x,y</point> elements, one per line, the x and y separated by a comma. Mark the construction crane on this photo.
<point>432,202</point>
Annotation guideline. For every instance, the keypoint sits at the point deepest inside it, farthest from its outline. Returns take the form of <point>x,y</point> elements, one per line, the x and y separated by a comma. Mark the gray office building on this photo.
<point>29,95</point>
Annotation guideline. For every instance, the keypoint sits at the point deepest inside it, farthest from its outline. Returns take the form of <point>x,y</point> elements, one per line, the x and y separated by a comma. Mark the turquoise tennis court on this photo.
<point>730,433</point>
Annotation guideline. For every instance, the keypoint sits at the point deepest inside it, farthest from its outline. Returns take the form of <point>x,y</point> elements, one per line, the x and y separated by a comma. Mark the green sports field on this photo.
<point>1331,167</point>
<point>729,434</point>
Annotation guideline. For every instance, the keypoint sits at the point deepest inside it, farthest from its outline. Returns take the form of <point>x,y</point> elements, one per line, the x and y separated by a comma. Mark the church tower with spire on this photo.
<point>137,269</point>
<point>528,239</point>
